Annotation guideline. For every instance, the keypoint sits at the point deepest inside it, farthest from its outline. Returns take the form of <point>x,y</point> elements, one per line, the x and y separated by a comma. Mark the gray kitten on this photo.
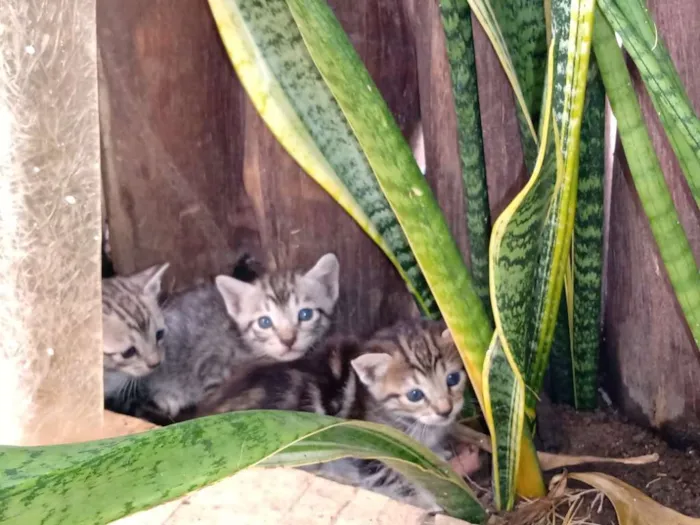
<point>212,329</point>
<point>132,329</point>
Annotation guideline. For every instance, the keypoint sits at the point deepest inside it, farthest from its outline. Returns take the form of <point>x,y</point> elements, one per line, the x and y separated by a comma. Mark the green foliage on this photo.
<point>647,176</point>
<point>457,23</point>
<point>275,68</point>
<point>101,481</point>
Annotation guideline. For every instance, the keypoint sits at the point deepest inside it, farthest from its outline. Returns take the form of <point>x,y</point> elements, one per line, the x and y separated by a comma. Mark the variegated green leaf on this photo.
<point>484,12</point>
<point>648,178</point>
<point>400,179</point>
<point>101,481</point>
<point>456,21</point>
<point>631,20</point>
<point>504,394</point>
<point>525,33</point>
<point>278,74</point>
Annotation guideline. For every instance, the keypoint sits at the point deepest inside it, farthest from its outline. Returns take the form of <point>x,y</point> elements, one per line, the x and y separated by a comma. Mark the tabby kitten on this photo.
<point>323,382</point>
<point>132,330</point>
<point>214,328</point>
<point>412,378</point>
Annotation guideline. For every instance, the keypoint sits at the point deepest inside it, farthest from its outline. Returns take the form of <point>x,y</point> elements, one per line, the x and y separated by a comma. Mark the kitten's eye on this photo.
<point>264,322</point>
<point>129,352</point>
<point>415,395</point>
<point>305,314</point>
<point>159,334</point>
<point>453,378</point>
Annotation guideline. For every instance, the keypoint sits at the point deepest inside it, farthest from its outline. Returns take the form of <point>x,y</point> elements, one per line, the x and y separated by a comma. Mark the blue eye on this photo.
<point>415,395</point>
<point>264,322</point>
<point>453,378</point>
<point>305,314</point>
<point>159,334</point>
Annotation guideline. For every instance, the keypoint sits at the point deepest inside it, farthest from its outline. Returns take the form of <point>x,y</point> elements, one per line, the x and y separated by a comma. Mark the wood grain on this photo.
<point>193,175</point>
<point>652,364</point>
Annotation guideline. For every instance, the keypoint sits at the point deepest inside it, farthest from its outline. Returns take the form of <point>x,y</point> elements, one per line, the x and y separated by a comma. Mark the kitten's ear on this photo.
<point>151,278</point>
<point>446,336</point>
<point>326,271</point>
<point>234,293</point>
<point>370,367</point>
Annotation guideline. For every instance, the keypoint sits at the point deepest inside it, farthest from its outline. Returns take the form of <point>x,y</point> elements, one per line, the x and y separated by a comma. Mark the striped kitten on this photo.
<point>214,328</point>
<point>132,328</point>
<point>412,378</point>
<point>323,382</point>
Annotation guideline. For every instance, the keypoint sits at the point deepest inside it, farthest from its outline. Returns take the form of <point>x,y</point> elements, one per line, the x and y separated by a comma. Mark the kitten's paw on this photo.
<point>467,460</point>
<point>168,405</point>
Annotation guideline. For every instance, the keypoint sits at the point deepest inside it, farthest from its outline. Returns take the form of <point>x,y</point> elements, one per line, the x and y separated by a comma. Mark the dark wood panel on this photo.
<point>194,176</point>
<point>172,136</point>
<point>652,364</point>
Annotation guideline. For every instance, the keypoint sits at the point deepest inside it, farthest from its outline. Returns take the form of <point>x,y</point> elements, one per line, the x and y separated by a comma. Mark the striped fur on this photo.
<point>212,329</point>
<point>324,383</point>
<point>131,318</point>
<point>397,360</point>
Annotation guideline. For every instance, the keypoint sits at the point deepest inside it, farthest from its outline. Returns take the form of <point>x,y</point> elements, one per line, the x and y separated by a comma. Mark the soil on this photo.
<point>674,481</point>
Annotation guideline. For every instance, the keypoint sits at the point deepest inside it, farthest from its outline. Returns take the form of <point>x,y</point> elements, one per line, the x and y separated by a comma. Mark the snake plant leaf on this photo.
<point>488,18</point>
<point>101,481</point>
<point>401,181</point>
<point>531,239</point>
<point>575,352</point>
<point>632,506</point>
<point>275,69</point>
<point>647,176</point>
<point>457,24</point>
<point>631,21</point>
<point>525,33</point>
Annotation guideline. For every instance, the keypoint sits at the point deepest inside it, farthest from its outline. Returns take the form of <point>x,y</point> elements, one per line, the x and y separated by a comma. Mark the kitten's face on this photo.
<point>282,316</point>
<point>414,371</point>
<point>132,322</point>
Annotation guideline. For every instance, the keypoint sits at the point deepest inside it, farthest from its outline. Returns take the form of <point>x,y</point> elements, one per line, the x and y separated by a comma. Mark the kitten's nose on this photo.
<point>153,363</point>
<point>288,338</point>
<point>443,408</point>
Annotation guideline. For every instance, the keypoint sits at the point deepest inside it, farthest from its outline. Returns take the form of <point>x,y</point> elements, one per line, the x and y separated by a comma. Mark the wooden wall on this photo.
<point>652,362</point>
<point>192,175</point>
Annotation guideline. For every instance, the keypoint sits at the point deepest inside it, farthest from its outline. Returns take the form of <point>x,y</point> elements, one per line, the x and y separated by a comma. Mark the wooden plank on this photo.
<point>194,176</point>
<point>172,135</point>
<point>652,364</point>
<point>50,364</point>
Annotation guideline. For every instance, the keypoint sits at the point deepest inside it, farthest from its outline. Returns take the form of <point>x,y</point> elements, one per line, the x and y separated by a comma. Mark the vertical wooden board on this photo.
<point>651,361</point>
<point>505,165</point>
<point>172,132</point>
<point>298,221</point>
<point>438,118</point>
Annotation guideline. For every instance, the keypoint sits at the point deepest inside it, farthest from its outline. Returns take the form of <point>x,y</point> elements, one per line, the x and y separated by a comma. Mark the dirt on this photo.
<point>674,481</point>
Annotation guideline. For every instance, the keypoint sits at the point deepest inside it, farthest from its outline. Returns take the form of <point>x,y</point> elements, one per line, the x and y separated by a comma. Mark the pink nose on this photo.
<point>288,340</point>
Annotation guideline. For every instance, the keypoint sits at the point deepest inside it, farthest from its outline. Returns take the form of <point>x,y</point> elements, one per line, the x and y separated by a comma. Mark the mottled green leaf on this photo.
<point>275,68</point>
<point>631,21</point>
<point>101,481</point>
<point>457,23</point>
<point>400,179</point>
<point>647,176</point>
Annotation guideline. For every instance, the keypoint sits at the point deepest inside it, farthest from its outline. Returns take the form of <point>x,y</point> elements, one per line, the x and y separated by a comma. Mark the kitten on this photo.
<point>214,328</point>
<point>409,376</point>
<point>132,330</point>
<point>323,382</point>
<point>413,379</point>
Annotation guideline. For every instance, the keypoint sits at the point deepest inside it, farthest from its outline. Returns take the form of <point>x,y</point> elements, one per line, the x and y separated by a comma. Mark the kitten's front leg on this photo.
<point>169,403</point>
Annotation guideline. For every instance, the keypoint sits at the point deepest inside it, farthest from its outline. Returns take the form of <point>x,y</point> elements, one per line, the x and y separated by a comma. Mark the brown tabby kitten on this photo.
<point>323,383</point>
<point>409,376</point>
<point>132,328</point>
